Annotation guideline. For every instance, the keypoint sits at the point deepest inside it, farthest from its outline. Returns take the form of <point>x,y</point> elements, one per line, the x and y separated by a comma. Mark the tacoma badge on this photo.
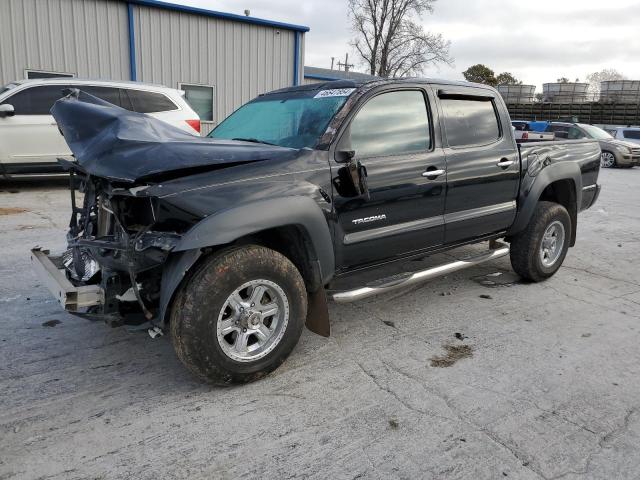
<point>374,218</point>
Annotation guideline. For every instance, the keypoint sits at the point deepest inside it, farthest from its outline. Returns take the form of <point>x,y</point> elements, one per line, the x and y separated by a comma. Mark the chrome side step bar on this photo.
<point>71,298</point>
<point>496,250</point>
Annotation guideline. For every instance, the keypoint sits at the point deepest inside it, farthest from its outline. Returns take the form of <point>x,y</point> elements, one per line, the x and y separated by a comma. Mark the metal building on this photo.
<point>318,75</point>
<point>221,60</point>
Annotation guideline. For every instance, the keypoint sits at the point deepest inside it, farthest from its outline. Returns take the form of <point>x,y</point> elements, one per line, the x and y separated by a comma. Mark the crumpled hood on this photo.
<point>111,142</point>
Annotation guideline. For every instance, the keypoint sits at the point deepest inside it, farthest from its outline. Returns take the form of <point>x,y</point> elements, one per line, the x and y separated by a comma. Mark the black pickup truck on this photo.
<point>233,242</point>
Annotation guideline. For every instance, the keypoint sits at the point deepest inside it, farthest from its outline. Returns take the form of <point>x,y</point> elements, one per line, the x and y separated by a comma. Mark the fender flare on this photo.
<point>531,191</point>
<point>228,225</point>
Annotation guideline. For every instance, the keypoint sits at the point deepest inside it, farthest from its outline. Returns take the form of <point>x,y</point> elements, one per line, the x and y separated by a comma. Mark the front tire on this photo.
<point>539,250</point>
<point>239,315</point>
<point>607,160</point>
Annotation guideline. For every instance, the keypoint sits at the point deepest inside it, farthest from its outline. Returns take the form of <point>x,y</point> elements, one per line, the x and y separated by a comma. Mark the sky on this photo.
<point>537,41</point>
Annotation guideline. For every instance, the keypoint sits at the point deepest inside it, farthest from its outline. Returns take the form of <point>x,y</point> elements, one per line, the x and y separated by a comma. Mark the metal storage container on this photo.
<point>517,93</point>
<point>565,92</point>
<point>620,91</point>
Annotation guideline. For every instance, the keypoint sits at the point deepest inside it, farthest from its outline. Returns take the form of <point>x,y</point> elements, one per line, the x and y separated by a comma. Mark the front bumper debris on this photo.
<point>51,271</point>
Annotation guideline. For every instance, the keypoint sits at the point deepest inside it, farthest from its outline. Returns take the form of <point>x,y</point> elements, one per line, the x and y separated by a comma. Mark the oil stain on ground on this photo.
<point>454,353</point>
<point>11,210</point>
<point>51,323</point>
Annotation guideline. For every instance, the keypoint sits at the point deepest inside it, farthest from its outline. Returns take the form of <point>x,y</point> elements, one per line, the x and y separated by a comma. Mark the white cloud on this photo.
<point>536,41</point>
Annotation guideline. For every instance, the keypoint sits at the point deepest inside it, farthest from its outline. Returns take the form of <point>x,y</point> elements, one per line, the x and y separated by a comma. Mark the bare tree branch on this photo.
<point>390,42</point>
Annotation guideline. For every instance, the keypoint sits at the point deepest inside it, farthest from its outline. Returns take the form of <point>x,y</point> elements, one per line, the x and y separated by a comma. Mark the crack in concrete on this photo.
<point>601,446</point>
<point>522,458</point>
<point>582,300</point>
<point>601,275</point>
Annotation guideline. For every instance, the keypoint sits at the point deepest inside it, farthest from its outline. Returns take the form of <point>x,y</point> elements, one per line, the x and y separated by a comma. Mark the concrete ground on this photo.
<point>475,375</point>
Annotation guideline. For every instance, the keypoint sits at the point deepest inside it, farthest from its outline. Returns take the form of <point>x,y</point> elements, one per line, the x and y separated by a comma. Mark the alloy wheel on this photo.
<point>253,320</point>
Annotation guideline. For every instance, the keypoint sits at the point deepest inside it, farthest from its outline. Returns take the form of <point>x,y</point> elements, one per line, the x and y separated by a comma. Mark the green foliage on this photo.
<point>482,74</point>
<point>505,78</point>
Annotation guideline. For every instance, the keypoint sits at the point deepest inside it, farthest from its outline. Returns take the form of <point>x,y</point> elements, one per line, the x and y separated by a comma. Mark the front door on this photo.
<point>31,137</point>
<point>392,135</point>
<point>483,166</point>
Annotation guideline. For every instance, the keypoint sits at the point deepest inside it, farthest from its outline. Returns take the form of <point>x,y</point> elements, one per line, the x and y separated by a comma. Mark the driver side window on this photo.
<point>392,123</point>
<point>576,133</point>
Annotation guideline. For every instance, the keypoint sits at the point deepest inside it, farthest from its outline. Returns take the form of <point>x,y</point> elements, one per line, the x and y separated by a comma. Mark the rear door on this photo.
<point>393,136</point>
<point>31,136</point>
<point>113,95</point>
<point>483,166</point>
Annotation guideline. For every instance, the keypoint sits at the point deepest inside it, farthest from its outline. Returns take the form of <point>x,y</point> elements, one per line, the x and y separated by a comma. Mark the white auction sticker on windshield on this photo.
<point>335,92</point>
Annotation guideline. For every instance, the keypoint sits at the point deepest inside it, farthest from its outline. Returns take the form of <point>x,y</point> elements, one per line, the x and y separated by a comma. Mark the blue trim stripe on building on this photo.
<point>132,44</point>
<point>223,15</point>
<point>296,58</point>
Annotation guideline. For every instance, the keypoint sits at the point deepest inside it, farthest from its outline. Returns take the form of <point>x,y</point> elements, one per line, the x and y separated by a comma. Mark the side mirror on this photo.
<point>7,110</point>
<point>353,176</point>
<point>344,156</point>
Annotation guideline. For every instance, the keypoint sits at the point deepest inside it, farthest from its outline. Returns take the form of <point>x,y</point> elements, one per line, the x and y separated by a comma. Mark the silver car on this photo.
<point>615,153</point>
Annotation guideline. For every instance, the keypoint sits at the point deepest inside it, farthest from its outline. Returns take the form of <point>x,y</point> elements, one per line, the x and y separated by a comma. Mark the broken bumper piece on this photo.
<point>52,272</point>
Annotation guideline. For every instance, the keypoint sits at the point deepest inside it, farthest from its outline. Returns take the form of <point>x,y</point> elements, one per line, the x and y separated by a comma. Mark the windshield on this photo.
<point>295,119</point>
<point>595,132</point>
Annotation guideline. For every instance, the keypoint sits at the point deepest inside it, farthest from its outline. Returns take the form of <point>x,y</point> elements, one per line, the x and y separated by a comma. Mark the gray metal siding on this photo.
<point>240,60</point>
<point>206,127</point>
<point>88,38</point>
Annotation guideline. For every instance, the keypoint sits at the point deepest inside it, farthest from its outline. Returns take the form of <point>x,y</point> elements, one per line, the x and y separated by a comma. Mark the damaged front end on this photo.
<point>118,241</point>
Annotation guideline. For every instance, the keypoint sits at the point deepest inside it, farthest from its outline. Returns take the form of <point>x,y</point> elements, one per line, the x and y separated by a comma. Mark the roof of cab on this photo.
<point>352,83</point>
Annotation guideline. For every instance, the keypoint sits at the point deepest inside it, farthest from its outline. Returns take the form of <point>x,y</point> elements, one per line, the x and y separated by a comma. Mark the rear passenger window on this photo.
<point>391,124</point>
<point>150,102</point>
<point>36,100</point>
<point>108,94</point>
<point>635,134</point>
<point>470,122</point>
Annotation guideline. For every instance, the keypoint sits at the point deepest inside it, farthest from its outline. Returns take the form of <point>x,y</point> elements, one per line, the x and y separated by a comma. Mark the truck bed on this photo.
<point>586,153</point>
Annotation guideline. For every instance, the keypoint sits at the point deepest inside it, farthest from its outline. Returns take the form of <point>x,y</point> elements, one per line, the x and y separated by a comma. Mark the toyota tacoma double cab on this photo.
<point>234,242</point>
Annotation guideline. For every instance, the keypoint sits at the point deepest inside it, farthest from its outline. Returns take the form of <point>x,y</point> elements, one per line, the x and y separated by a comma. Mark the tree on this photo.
<point>595,78</point>
<point>480,73</point>
<point>389,39</point>
<point>505,78</point>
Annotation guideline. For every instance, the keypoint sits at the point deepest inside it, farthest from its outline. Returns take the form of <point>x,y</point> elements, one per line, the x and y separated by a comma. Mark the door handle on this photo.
<point>504,163</point>
<point>433,173</point>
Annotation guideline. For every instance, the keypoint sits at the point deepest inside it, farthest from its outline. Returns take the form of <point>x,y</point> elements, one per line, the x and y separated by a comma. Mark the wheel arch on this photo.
<point>293,226</point>
<point>560,183</point>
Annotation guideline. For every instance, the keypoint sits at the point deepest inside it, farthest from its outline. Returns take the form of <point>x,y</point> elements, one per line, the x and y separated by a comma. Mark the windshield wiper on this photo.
<point>252,140</point>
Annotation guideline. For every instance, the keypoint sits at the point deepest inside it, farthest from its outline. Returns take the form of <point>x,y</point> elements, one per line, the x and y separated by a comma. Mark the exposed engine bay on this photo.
<point>119,242</point>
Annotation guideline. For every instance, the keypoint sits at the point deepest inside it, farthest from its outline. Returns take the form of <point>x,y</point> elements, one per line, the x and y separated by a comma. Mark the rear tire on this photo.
<point>539,250</point>
<point>239,315</point>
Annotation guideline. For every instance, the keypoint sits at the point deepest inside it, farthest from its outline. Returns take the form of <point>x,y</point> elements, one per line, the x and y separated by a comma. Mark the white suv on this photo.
<point>629,134</point>
<point>30,141</point>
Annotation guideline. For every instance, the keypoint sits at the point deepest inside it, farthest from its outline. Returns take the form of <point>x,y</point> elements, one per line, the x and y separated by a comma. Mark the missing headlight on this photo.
<point>80,264</point>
